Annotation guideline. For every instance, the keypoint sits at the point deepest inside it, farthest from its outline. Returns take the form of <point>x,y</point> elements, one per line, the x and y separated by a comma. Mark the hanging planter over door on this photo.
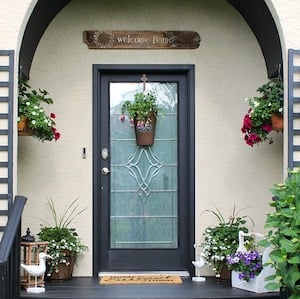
<point>142,112</point>
<point>145,132</point>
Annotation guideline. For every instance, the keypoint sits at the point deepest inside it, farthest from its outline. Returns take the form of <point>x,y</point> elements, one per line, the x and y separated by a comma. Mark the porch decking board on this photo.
<point>89,288</point>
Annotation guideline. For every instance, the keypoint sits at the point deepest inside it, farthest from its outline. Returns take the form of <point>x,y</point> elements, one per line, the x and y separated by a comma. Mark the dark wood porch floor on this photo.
<point>89,288</point>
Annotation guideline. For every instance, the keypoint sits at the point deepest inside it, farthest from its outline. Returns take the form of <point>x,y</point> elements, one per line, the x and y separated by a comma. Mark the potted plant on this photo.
<point>64,242</point>
<point>142,114</point>
<point>32,117</point>
<point>222,240</point>
<point>284,235</point>
<point>248,264</point>
<point>257,123</point>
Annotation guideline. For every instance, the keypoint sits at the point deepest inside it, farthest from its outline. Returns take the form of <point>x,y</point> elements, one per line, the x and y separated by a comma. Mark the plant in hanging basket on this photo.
<point>32,117</point>
<point>142,113</point>
<point>257,123</point>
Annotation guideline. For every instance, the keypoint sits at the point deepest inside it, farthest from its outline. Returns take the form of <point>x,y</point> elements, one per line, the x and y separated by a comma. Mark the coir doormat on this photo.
<point>141,279</point>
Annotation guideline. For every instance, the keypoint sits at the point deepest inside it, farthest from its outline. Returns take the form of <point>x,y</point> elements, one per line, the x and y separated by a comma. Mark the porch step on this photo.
<point>89,288</point>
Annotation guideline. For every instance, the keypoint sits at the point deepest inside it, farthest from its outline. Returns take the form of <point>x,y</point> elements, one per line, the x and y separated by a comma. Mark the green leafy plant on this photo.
<point>63,240</point>
<point>139,110</point>
<point>257,122</point>
<point>284,235</point>
<point>222,240</point>
<point>30,110</point>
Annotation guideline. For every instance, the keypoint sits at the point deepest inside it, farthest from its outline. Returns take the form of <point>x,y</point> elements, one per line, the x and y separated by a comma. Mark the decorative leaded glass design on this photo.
<point>143,199</point>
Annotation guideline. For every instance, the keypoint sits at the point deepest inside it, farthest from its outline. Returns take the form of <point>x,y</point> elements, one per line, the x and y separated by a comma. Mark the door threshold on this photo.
<point>179,273</point>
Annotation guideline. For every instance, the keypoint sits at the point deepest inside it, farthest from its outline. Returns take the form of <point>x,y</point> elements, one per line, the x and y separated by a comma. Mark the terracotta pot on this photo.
<point>23,129</point>
<point>277,122</point>
<point>145,134</point>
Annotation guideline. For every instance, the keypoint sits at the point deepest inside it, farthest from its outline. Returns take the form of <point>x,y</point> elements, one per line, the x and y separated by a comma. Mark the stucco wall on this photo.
<point>229,67</point>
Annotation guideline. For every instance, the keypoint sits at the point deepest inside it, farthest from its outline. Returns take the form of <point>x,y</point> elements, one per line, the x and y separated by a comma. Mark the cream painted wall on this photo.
<point>14,15</point>
<point>229,67</point>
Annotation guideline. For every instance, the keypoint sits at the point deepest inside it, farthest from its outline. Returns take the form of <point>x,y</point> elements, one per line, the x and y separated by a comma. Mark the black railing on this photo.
<point>10,252</point>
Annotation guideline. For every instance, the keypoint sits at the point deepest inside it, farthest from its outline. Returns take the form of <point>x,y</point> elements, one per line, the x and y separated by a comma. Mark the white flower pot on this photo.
<point>256,285</point>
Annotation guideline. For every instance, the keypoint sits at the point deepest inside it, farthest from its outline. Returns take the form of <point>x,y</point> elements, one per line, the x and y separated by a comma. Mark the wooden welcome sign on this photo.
<point>141,39</point>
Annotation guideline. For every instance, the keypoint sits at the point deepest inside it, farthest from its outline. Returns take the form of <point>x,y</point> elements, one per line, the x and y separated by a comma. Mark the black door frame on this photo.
<point>189,71</point>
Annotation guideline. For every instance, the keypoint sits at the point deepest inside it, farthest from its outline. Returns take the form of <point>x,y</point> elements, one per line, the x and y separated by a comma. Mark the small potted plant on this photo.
<point>265,113</point>
<point>64,242</point>
<point>222,240</point>
<point>142,114</point>
<point>284,236</point>
<point>248,264</point>
<point>32,117</point>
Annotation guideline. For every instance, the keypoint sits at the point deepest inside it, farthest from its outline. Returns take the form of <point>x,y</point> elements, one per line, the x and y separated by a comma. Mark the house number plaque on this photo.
<point>96,39</point>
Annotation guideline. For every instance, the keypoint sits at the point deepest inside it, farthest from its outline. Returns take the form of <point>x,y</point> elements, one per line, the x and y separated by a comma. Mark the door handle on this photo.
<point>105,171</point>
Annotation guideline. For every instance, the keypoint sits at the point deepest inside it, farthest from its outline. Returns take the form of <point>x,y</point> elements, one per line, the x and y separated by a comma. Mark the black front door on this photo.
<point>143,195</point>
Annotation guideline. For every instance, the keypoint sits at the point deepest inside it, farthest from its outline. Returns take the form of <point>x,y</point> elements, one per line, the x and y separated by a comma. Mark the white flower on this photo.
<point>27,103</point>
<point>33,122</point>
<point>33,113</point>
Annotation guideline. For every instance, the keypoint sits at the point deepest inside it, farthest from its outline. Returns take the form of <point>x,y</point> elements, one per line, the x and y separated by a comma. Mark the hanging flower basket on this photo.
<point>33,120</point>
<point>277,122</point>
<point>23,128</point>
<point>145,132</point>
<point>143,111</point>
<point>257,121</point>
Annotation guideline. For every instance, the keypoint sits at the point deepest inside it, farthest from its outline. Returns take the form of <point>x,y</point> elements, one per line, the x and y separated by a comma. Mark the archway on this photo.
<point>255,13</point>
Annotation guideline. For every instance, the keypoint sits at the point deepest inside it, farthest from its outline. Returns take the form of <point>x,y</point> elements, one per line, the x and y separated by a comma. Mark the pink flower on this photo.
<point>56,136</point>
<point>247,122</point>
<point>122,117</point>
<point>252,139</point>
<point>248,141</point>
<point>266,127</point>
<point>140,124</point>
<point>52,115</point>
<point>56,133</point>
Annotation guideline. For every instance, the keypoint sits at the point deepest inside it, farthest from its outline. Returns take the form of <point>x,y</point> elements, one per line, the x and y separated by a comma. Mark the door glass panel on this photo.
<point>144,201</point>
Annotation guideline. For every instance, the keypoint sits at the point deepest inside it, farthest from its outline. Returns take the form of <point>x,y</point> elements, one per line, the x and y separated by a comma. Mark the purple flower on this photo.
<point>248,264</point>
<point>241,275</point>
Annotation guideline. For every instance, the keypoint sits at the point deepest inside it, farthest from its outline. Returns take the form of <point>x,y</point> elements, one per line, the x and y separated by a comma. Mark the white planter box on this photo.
<point>256,285</point>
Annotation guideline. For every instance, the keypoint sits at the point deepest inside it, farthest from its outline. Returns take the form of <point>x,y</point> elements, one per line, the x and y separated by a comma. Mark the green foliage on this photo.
<point>143,105</point>
<point>30,106</point>
<point>269,102</point>
<point>222,240</point>
<point>60,236</point>
<point>284,234</point>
